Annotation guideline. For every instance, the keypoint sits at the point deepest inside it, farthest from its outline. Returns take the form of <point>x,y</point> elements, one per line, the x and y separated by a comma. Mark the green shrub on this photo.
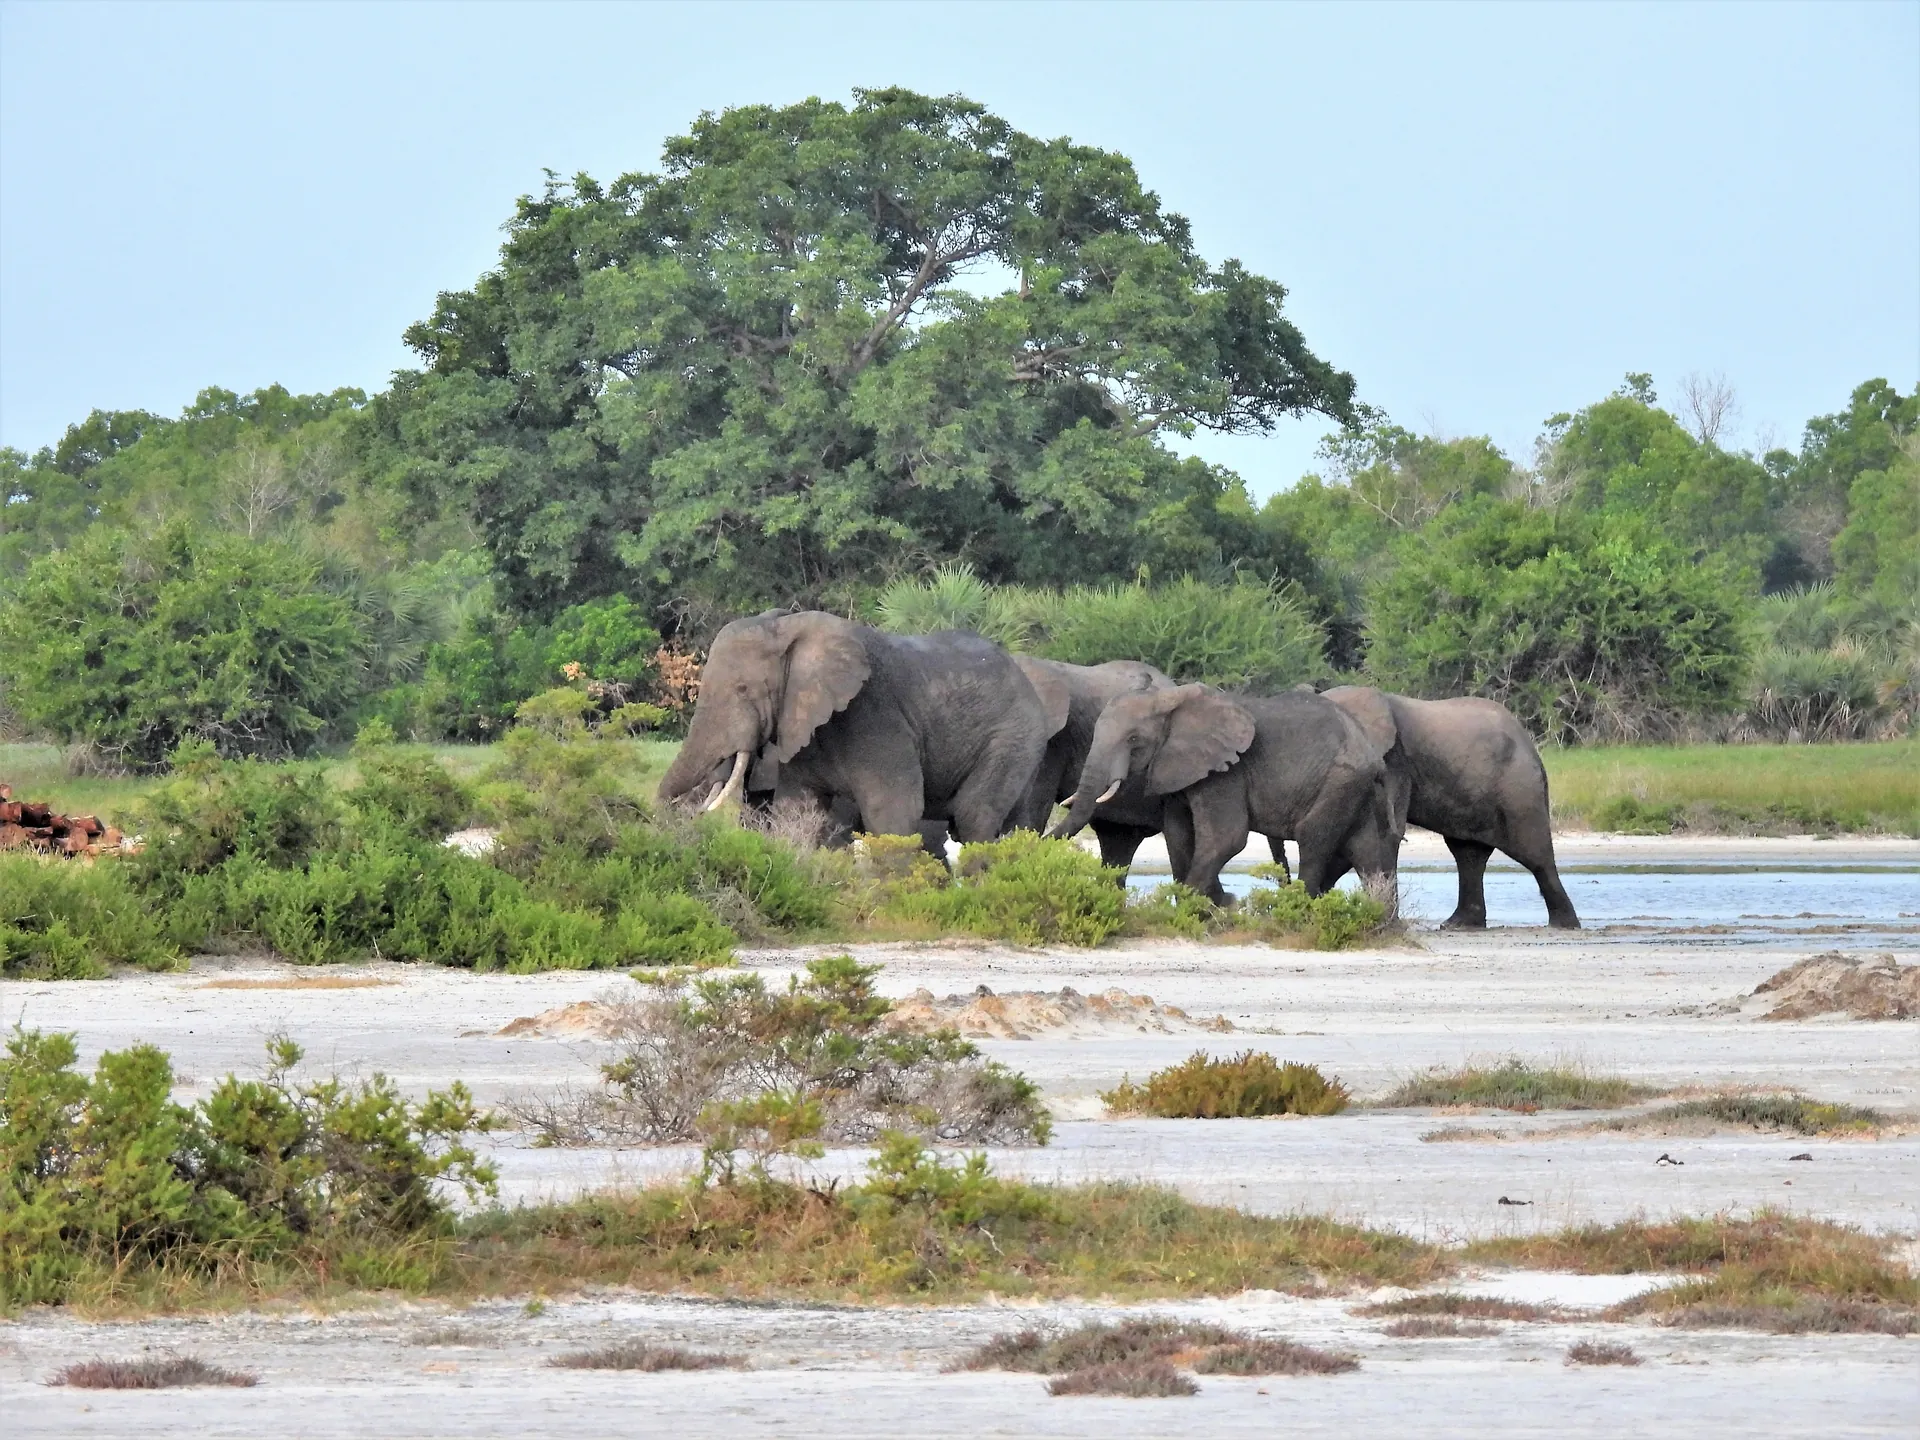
<point>1251,1083</point>
<point>608,638</point>
<point>1628,815</point>
<point>1239,637</point>
<point>1516,1085</point>
<point>1026,889</point>
<point>1332,921</point>
<point>107,1175</point>
<point>1586,629</point>
<point>132,644</point>
<point>413,794</point>
<point>1173,909</point>
<point>64,920</point>
<point>746,1068</point>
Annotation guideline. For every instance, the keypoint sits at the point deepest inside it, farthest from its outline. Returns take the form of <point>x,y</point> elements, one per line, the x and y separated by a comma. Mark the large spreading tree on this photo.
<point>829,341</point>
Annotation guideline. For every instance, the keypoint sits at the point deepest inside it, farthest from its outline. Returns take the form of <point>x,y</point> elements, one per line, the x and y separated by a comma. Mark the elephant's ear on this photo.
<point>1055,698</point>
<point>1370,709</point>
<point>826,665</point>
<point>1206,732</point>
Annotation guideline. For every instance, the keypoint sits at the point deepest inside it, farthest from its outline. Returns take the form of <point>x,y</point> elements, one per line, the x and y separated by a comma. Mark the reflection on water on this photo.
<point>1879,906</point>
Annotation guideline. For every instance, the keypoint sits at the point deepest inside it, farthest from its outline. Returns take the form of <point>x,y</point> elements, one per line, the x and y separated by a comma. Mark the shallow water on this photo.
<point>1846,906</point>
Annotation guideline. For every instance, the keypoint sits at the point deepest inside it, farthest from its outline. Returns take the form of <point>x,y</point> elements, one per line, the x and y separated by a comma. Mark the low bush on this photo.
<point>1101,1346</point>
<point>1251,1083</point>
<point>103,1179</point>
<point>1795,1114</point>
<point>148,1373</point>
<point>1451,1304</point>
<point>1600,1352</point>
<point>639,1355</point>
<point>1025,888</point>
<point>1437,1327</point>
<point>1335,920</point>
<point>62,920</point>
<point>751,1069</point>
<point>1516,1085</point>
<point>1134,1379</point>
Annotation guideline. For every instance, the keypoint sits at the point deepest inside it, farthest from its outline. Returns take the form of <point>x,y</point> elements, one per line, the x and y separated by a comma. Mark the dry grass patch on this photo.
<point>1772,1272</point>
<point>1272,1357</point>
<point>1517,1085</point>
<point>639,1355</point>
<point>1453,1304</point>
<point>452,1336</point>
<point>1098,1356</point>
<point>1601,1352</point>
<point>1794,1114</point>
<point>149,1373</point>
<point>921,1239</point>
<point>1136,1380</point>
<point>1437,1327</point>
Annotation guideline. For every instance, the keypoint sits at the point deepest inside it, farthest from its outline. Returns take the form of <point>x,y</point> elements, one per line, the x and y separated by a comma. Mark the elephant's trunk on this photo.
<point>1080,809</point>
<point>729,794</point>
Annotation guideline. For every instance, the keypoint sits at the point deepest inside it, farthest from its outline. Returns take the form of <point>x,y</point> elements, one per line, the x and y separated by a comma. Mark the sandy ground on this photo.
<point>1645,1002</point>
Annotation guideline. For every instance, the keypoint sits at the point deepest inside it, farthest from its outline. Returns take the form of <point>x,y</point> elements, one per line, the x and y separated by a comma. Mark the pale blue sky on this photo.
<point>1487,213</point>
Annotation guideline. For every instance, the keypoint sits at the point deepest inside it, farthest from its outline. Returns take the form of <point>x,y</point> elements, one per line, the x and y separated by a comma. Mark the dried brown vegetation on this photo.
<point>1771,1272</point>
<point>149,1373</point>
<point>1101,1346</point>
<point>1437,1327</point>
<point>1451,1303</point>
<point>1601,1352</point>
<point>1134,1379</point>
<point>639,1355</point>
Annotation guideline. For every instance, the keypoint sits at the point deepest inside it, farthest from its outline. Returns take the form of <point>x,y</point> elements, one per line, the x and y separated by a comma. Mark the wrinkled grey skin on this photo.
<point>1292,767</point>
<point>886,728</point>
<point>1467,770</point>
<point>1129,818</point>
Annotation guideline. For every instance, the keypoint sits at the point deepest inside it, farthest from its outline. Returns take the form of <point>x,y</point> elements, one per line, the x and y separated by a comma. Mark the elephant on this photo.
<point>891,728</point>
<point>1123,822</point>
<point>1290,766</point>
<point>1467,770</point>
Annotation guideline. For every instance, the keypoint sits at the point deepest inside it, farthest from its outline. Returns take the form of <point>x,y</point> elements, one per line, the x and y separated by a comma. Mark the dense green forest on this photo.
<point>899,360</point>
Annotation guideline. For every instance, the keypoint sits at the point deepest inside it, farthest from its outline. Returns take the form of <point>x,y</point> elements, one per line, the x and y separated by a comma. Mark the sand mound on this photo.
<point>582,1020</point>
<point>1023,1014</point>
<point>1872,987</point>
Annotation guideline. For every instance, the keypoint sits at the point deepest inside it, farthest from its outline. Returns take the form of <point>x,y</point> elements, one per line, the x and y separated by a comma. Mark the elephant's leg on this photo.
<point>987,800</point>
<point>1560,911</point>
<point>1118,843</point>
<point>1322,862</point>
<point>1177,827</point>
<point>1278,847</point>
<point>1219,833</point>
<point>1470,858</point>
<point>891,797</point>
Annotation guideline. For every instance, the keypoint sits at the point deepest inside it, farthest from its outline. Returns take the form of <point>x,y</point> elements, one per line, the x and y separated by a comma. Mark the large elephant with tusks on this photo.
<point>895,728</point>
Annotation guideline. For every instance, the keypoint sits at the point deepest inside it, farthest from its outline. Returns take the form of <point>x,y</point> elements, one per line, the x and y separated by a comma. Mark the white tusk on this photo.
<point>736,782</point>
<point>1111,791</point>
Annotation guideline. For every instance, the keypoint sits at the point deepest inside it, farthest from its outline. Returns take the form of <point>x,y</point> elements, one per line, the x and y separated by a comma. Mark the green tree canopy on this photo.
<point>829,337</point>
<point>1586,629</point>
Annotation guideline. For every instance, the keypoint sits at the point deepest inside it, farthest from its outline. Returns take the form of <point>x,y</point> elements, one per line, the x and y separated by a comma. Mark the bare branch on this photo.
<point>1709,405</point>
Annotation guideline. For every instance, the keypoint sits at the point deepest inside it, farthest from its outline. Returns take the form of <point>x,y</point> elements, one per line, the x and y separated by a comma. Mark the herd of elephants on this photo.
<point>949,733</point>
